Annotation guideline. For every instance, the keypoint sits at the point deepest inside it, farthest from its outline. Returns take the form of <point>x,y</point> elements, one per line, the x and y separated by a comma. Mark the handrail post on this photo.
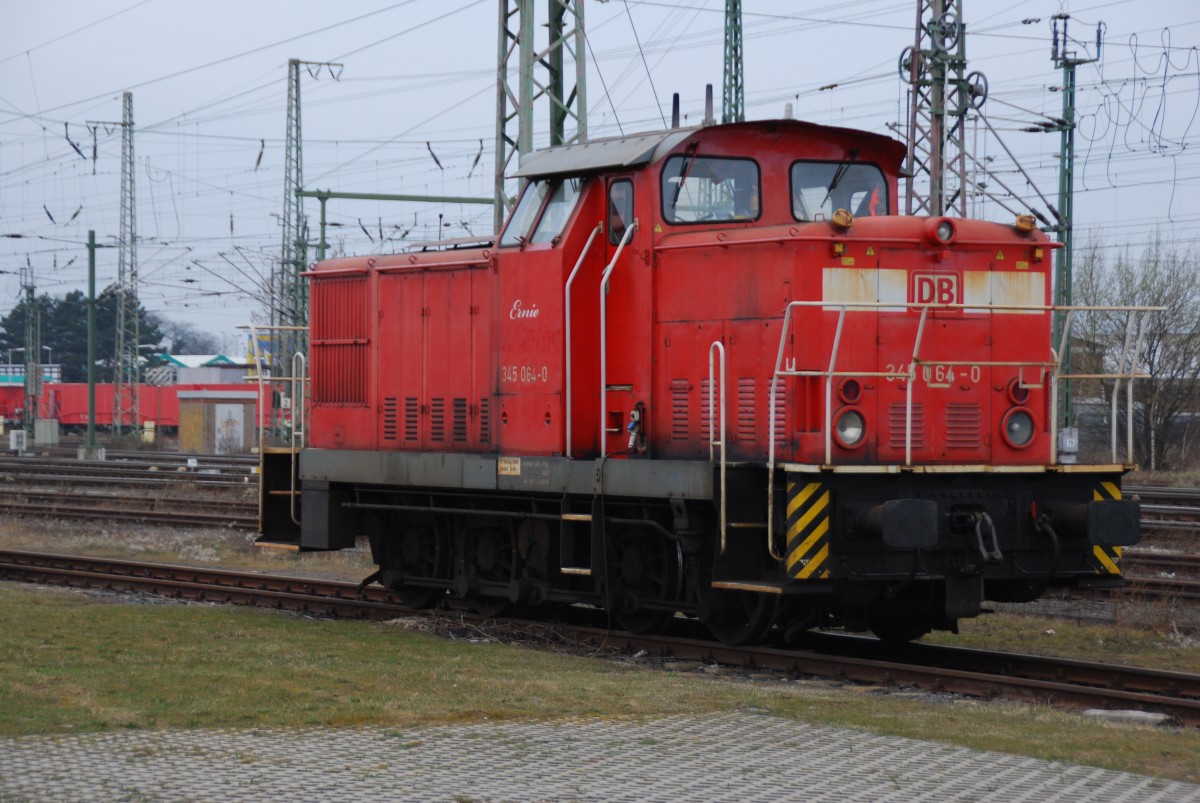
<point>783,337</point>
<point>1133,361</point>
<point>718,347</point>
<point>912,380</point>
<point>604,328</point>
<point>299,426</point>
<point>1129,327</point>
<point>833,354</point>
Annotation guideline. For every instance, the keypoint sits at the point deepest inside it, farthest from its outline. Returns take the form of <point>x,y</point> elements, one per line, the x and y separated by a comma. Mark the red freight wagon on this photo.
<point>707,371</point>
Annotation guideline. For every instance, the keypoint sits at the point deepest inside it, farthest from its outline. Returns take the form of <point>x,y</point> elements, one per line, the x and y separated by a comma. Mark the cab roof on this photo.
<point>639,150</point>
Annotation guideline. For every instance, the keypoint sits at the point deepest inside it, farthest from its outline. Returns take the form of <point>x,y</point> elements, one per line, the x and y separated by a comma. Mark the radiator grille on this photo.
<point>485,421</point>
<point>780,411</point>
<point>680,410</point>
<point>459,426</point>
<point>412,418</point>
<point>746,409</point>
<point>389,418</point>
<point>896,425</point>
<point>437,421</point>
<point>962,426</point>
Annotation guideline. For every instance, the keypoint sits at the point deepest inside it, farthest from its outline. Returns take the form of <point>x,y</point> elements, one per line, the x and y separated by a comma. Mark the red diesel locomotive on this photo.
<point>707,371</point>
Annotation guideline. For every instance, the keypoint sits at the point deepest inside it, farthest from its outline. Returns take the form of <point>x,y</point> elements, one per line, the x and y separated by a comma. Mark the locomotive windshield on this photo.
<point>705,189</point>
<point>818,188</point>
<point>557,208</point>
<point>517,231</point>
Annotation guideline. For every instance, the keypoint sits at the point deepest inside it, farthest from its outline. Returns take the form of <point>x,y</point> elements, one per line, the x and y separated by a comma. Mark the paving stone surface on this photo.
<point>742,757</point>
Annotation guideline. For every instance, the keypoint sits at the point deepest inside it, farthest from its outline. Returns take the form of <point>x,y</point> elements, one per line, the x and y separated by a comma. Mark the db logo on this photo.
<point>935,288</point>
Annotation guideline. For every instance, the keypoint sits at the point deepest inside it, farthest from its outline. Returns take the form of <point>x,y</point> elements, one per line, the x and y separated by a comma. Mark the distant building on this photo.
<point>196,369</point>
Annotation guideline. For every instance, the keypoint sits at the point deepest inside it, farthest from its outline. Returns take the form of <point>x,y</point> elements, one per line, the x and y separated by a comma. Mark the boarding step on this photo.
<point>575,539</point>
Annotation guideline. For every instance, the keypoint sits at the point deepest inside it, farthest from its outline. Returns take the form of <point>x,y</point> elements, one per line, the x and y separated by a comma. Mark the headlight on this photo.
<point>940,230</point>
<point>1018,428</point>
<point>850,428</point>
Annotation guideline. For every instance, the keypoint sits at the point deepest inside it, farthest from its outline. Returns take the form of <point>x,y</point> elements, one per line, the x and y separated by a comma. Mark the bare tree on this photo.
<point>1167,404</point>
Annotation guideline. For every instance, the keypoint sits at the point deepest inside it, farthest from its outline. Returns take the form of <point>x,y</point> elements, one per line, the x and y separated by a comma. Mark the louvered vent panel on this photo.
<point>485,421</point>
<point>389,418</point>
<point>437,420</point>
<point>746,409</point>
<point>710,405</point>
<point>680,410</point>
<point>459,426</point>
<point>412,418</point>
<point>339,341</point>
<point>896,425</point>
<point>780,411</point>
<point>962,426</point>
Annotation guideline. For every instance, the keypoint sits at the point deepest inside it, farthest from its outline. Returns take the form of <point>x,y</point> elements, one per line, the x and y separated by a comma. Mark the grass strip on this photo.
<point>76,663</point>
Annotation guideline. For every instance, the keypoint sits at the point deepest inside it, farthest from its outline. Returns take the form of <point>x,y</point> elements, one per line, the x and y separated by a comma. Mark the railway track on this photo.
<point>214,492</point>
<point>1167,508</point>
<point>1072,684</point>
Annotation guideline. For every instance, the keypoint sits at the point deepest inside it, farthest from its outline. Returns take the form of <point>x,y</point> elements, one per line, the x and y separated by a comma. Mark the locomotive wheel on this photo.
<point>739,617</point>
<point>422,554</point>
<point>414,549</point>
<point>491,557</point>
<point>648,567</point>
<point>898,632</point>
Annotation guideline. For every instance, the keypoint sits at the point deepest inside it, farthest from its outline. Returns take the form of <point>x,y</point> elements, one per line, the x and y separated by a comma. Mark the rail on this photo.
<point>567,320</point>
<point>1126,370</point>
<point>718,347</point>
<point>604,330</point>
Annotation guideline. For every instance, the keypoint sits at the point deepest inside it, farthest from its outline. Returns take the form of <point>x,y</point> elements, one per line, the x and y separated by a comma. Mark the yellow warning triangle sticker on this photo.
<point>999,255</point>
<point>870,251</point>
<point>658,228</point>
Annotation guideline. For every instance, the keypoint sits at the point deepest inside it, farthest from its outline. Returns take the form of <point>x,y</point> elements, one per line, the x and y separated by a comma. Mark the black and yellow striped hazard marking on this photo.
<point>1106,559</point>
<point>807,531</point>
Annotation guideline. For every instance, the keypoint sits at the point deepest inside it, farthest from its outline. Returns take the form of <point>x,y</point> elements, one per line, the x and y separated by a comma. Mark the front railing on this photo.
<point>1051,368</point>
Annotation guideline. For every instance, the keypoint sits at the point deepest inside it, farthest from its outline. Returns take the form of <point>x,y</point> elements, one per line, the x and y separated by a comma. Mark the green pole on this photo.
<point>91,342</point>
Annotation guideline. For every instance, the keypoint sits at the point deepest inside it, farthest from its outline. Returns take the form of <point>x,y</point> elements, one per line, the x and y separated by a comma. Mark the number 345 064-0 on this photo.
<point>935,374</point>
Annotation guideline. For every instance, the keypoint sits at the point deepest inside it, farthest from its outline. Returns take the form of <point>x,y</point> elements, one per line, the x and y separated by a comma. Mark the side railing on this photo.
<point>298,381</point>
<point>604,329</point>
<point>1050,368</point>
<point>567,320</point>
<point>714,443</point>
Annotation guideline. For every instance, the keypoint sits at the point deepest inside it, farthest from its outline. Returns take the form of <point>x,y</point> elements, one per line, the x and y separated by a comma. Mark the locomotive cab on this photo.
<point>708,372</point>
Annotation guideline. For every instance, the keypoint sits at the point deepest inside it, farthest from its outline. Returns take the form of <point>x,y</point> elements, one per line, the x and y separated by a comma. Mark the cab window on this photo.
<point>706,189</point>
<point>620,209</point>
<point>522,218</point>
<point>820,188</point>
<point>558,209</point>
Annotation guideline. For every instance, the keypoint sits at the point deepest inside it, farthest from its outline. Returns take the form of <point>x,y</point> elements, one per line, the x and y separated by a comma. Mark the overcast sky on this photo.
<point>209,88</point>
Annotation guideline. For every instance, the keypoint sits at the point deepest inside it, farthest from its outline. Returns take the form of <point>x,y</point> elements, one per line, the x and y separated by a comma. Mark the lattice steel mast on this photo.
<point>126,359</point>
<point>733,97</point>
<point>940,95</point>
<point>519,55</point>
<point>289,304</point>
<point>1067,61</point>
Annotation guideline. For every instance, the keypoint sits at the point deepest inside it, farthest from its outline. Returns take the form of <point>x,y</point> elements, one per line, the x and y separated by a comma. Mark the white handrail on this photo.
<point>1126,370</point>
<point>299,432</point>
<point>567,308</point>
<point>604,329</point>
<point>718,347</point>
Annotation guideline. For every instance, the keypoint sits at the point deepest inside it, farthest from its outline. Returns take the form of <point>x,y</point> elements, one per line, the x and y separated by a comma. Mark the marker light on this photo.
<point>849,391</point>
<point>1018,392</point>
<point>1017,428</point>
<point>850,429</point>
